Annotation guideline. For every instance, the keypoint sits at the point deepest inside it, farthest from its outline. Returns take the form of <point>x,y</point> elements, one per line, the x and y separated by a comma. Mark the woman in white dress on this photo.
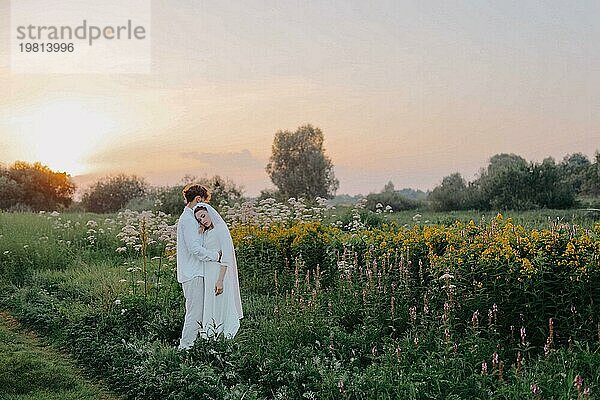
<point>222,302</point>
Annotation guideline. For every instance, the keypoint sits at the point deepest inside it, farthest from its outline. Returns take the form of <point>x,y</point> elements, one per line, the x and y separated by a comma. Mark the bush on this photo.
<point>396,201</point>
<point>450,195</point>
<point>112,193</point>
<point>169,199</point>
<point>510,183</point>
<point>390,199</point>
<point>34,186</point>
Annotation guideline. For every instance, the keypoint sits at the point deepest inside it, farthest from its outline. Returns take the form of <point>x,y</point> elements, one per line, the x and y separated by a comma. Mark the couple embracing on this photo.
<point>207,270</point>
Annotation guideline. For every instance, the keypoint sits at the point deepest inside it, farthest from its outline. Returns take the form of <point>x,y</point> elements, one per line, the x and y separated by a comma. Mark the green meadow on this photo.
<point>356,306</point>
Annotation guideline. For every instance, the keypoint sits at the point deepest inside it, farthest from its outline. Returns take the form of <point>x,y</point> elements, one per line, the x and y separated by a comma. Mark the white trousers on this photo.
<point>193,291</point>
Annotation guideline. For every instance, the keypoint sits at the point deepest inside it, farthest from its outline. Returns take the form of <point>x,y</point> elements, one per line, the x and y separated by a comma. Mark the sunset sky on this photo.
<point>403,91</point>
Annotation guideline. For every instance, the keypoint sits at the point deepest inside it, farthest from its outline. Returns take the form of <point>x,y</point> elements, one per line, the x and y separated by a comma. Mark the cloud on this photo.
<point>242,160</point>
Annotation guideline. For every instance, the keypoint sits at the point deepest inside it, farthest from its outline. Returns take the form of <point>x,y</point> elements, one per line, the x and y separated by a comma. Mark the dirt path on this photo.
<point>32,369</point>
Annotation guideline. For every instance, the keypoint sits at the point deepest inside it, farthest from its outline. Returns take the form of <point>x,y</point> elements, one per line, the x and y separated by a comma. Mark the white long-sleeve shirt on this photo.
<point>190,252</point>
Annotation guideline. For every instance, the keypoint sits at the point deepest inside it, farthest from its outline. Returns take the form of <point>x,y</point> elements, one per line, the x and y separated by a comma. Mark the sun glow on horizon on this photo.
<point>62,134</point>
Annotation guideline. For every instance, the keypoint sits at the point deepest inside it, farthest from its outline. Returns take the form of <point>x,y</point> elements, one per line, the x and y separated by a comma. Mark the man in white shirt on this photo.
<point>190,263</point>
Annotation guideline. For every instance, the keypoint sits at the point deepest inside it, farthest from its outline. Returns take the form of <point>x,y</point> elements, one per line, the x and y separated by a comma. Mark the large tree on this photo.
<point>34,186</point>
<point>591,185</point>
<point>507,183</point>
<point>511,182</point>
<point>299,166</point>
<point>451,194</point>
<point>573,170</point>
<point>550,190</point>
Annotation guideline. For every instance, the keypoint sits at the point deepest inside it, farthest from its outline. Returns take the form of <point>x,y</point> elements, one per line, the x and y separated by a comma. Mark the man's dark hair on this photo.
<point>192,190</point>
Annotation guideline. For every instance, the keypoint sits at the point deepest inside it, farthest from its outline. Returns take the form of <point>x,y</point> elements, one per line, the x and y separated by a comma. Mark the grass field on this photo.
<point>30,369</point>
<point>500,307</point>
<point>532,219</point>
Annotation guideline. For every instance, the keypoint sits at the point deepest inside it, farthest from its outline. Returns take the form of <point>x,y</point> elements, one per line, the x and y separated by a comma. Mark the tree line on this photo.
<point>511,182</point>
<point>300,167</point>
<point>34,187</point>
